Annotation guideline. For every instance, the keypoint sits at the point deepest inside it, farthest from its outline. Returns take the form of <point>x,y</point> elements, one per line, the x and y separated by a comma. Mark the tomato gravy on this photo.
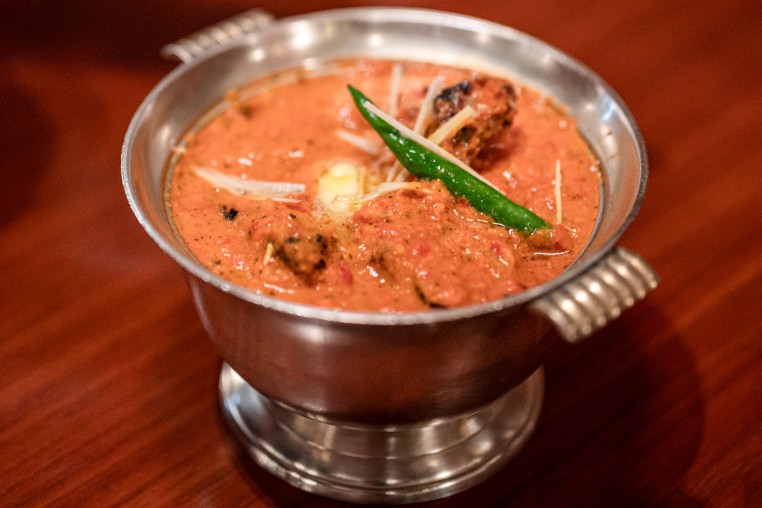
<point>414,248</point>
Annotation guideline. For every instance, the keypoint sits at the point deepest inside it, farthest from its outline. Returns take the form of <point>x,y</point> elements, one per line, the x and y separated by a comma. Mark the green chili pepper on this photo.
<point>425,164</point>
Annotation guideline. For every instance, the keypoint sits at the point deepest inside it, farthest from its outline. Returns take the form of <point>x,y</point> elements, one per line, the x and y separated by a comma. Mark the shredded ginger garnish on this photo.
<point>360,142</point>
<point>380,190</point>
<point>453,125</point>
<point>394,92</point>
<point>268,253</point>
<point>257,189</point>
<point>424,114</point>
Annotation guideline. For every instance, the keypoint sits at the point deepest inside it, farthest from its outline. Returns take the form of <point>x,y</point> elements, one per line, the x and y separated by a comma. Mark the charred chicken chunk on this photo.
<point>299,241</point>
<point>494,101</point>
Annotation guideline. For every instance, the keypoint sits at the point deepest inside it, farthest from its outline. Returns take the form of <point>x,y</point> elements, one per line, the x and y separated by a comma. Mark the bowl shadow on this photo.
<point>26,148</point>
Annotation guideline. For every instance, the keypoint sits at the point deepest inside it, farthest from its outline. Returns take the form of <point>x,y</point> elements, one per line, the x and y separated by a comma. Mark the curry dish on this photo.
<point>287,190</point>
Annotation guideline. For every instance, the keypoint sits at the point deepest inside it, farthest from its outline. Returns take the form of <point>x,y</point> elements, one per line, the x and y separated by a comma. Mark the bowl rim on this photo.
<point>377,15</point>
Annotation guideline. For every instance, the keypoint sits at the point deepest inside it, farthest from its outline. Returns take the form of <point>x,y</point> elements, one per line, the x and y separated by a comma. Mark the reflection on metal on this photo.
<point>380,463</point>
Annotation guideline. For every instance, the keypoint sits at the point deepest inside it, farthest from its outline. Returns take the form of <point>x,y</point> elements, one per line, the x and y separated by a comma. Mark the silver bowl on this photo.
<point>389,408</point>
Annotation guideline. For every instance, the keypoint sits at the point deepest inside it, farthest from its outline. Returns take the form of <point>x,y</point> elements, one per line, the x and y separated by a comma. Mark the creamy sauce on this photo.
<point>410,250</point>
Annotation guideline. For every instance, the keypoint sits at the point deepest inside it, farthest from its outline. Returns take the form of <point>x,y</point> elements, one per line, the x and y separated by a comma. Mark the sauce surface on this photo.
<point>410,249</point>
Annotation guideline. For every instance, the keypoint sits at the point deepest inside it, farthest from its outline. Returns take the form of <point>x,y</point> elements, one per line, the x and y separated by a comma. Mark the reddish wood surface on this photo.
<point>108,392</point>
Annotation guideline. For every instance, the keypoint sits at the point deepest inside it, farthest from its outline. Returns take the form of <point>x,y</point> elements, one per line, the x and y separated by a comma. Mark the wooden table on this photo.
<point>109,384</point>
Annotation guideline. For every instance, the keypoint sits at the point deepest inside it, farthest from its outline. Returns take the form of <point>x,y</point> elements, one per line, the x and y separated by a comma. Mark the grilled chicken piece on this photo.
<point>298,240</point>
<point>494,101</point>
<point>303,255</point>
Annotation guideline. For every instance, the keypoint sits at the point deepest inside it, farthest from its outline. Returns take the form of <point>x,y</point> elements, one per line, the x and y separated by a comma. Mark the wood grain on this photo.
<point>108,393</point>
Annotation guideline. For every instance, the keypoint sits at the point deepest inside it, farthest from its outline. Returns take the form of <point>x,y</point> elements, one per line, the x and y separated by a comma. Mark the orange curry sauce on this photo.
<point>409,250</point>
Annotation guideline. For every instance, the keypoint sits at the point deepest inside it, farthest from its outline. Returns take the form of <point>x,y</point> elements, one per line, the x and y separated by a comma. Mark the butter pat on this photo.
<point>339,186</point>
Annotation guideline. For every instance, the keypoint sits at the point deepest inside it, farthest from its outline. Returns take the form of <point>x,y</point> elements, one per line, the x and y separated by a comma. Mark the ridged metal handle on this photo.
<point>601,294</point>
<point>190,47</point>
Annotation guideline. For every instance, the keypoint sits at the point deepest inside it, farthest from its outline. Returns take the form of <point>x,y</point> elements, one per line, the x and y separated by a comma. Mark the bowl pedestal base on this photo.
<point>380,464</point>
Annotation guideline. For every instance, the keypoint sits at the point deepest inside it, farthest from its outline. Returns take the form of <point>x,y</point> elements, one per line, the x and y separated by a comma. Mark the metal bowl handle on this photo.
<point>586,304</point>
<point>188,48</point>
